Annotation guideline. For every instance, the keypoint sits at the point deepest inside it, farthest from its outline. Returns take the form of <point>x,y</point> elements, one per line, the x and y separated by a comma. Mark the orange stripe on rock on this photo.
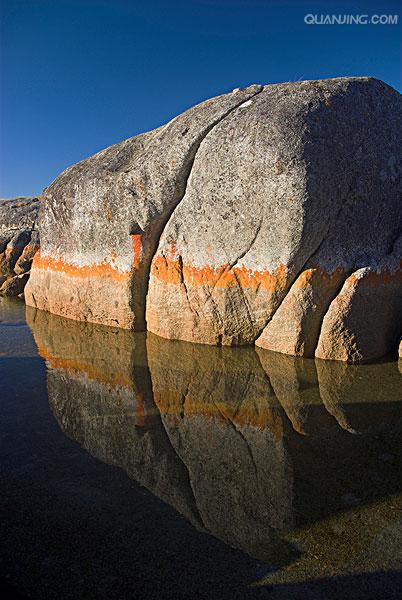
<point>172,271</point>
<point>100,270</point>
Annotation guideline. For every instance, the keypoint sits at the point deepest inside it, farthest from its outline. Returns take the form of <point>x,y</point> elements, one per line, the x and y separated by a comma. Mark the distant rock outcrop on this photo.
<point>270,215</point>
<point>19,240</point>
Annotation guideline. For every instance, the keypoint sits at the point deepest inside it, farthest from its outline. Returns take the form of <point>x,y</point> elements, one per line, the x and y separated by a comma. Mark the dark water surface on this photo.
<point>136,467</point>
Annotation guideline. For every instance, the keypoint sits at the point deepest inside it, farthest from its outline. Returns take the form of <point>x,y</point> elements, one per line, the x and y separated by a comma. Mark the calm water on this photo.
<point>136,467</point>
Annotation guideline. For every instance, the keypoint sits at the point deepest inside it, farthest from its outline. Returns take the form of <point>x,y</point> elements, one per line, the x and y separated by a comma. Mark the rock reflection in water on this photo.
<point>100,391</point>
<point>246,444</point>
<point>224,422</point>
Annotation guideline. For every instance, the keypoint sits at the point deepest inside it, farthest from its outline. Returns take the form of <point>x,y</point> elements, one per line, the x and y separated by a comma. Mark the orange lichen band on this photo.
<point>100,270</point>
<point>172,271</point>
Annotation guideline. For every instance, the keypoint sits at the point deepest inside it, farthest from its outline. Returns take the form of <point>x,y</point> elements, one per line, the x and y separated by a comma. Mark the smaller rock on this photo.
<point>4,239</point>
<point>14,286</point>
<point>19,240</point>
<point>23,264</point>
<point>14,249</point>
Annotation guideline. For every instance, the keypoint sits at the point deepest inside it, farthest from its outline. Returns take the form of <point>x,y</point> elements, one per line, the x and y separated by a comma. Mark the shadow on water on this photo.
<point>293,464</point>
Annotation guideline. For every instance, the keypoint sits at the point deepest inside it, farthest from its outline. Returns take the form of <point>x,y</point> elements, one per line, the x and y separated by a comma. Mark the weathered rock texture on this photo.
<point>268,215</point>
<point>19,240</point>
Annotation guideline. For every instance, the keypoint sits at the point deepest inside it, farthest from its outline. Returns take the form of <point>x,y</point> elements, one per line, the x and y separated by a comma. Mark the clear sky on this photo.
<point>79,75</point>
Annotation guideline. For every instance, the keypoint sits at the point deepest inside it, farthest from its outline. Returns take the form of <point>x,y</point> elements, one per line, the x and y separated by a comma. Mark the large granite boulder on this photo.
<point>287,198</point>
<point>19,241</point>
<point>103,218</point>
<point>269,215</point>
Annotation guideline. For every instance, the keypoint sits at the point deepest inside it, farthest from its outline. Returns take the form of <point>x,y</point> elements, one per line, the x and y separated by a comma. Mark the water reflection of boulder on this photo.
<point>320,394</point>
<point>362,398</point>
<point>294,381</point>
<point>100,391</point>
<point>349,415</point>
<point>215,432</point>
<point>225,423</point>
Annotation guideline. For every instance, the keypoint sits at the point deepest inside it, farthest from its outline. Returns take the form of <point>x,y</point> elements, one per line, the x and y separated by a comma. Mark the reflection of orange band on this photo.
<point>99,375</point>
<point>82,366</point>
<point>101,270</point>
<point>166,399</point>
<point>168,403</point>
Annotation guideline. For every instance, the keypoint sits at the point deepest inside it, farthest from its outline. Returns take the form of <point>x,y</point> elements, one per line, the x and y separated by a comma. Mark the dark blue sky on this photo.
<point>79,75</point>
